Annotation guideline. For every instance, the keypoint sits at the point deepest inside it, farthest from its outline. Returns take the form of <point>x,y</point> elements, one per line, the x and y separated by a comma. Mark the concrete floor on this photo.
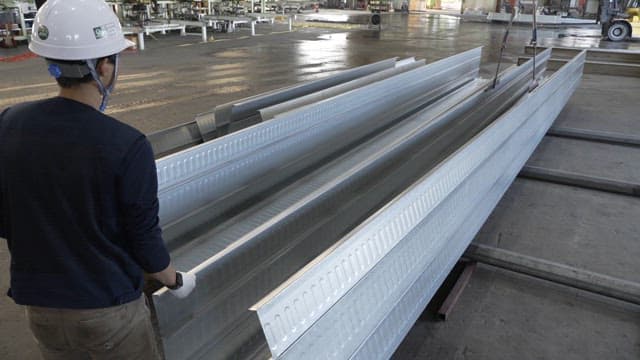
<point>500,315</point>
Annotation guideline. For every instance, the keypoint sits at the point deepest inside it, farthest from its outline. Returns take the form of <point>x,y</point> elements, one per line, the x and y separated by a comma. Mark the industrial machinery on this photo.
<point>620,19</point>
<point>16,19</point>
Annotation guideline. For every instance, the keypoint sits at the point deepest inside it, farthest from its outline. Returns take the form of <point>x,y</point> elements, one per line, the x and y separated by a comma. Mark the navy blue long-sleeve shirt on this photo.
<point>78,206</point>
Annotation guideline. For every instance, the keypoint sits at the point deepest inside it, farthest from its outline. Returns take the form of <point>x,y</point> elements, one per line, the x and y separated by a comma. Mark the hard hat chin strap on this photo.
<point>104,90</point>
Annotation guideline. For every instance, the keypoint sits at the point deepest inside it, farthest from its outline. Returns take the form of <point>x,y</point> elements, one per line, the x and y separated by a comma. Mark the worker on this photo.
<point>78,198</point>
<point>405,7</point>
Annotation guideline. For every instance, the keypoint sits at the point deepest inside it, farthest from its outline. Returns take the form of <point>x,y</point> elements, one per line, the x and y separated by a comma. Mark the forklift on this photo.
<point>620,19</point>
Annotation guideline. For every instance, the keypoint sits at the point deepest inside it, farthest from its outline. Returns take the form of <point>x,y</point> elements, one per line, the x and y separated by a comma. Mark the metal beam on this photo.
<point>593,54</point>
<point>212,171</point>
<point>595,67</point>
<point>558,273</point>
<point>594,135</point>
<point>275,237</point>
<point>204,127</point>
<point>271,111</point>
<point>282,233</point>
<point>174,139</point>
<point>216,309</point>
<point>350,188</point>
<point>580,180</point>
<point>456,291</point>
<point>361,296</point>
<point>236,110</point>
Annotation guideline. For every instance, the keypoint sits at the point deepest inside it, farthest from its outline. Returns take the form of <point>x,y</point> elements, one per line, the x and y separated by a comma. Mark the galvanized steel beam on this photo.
<point>202,312</point>
<point>193,178</point>
<point>294,225</point>
<point>234,111</point>
<point>203,128</point>
<point>174,234</point>
<point>218,311</point>
<point>360,298</point>
<point>271,111</point>
<point>174,139</point>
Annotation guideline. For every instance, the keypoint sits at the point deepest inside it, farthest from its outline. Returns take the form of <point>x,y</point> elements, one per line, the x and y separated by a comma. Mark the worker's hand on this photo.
<point>188,284</point>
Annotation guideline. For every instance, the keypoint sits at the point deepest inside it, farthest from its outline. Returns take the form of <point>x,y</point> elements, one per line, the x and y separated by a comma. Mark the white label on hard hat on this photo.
<point>111,28</point>
<point>104,31</point>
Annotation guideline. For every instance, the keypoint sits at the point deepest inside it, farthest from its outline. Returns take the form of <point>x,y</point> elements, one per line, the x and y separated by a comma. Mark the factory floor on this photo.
<point>504,315</point>
<point>500,315</point>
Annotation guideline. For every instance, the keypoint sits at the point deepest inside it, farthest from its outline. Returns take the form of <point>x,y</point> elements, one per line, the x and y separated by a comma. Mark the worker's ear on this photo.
<point>103,68</point>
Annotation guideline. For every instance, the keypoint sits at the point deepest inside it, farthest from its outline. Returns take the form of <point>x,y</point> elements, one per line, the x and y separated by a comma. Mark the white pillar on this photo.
<point>141,40</point>
<point>204,33</point>
<point>290,23</point>
<point>253,28</point>
<point>23,25</point>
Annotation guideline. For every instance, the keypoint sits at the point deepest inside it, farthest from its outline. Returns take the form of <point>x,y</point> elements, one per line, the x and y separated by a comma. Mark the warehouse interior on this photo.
<point>537,259</point>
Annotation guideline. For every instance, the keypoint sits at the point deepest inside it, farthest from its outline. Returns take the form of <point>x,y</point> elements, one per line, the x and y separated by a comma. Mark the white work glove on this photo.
<point>185,283</point>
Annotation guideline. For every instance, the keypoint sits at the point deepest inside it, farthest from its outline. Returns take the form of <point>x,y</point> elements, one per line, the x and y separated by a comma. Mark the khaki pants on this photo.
<point>118,332</point>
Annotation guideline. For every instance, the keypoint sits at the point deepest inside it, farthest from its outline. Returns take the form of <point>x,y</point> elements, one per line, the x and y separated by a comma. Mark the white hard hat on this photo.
<point>77,30</point>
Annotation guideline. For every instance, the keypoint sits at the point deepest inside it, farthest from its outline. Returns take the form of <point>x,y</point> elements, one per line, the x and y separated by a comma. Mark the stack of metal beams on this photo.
<point>338,218</point>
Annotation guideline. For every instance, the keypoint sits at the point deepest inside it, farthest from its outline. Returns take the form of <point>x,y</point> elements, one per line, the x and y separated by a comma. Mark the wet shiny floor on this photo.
<point>179,77</point>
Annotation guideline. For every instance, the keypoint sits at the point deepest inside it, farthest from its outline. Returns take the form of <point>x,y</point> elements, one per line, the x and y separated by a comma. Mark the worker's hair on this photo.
<point>69,82</point>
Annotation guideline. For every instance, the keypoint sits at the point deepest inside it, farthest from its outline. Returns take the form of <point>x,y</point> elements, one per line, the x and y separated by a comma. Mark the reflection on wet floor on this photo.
<point>326,53</point>
<point>231,70</point>
<point>429,36</point>
<point>194,79</point>
<point>455,29</point>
